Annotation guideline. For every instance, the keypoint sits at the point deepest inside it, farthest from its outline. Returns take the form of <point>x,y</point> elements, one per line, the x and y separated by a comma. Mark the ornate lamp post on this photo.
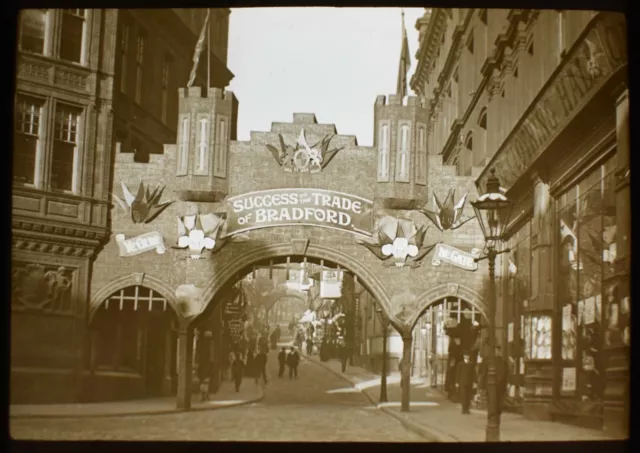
<point>493,210</point>
<point>383,378</point>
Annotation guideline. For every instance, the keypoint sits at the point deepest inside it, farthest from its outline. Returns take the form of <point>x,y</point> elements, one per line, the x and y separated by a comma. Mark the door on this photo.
<point>155,351</point>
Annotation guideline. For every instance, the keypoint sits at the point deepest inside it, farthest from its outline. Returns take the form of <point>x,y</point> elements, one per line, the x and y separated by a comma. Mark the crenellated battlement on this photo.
<point>213,93</point>
<point>397,100</point>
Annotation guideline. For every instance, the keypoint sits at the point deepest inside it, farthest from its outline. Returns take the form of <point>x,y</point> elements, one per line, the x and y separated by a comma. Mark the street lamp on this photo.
<point>383,379</point>
<point>493,210</point>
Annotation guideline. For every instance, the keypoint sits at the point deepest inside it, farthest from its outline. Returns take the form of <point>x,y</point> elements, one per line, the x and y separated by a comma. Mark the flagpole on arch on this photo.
<point>208,52</point>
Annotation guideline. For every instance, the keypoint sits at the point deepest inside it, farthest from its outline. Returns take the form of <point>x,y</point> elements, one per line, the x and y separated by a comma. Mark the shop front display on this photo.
<point>585,219</point>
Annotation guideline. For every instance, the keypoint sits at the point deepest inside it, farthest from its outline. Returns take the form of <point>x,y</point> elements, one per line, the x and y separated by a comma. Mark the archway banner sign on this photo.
<point>299,206</point>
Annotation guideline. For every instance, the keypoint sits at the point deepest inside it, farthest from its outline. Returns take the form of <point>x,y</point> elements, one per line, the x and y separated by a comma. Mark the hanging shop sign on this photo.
<point>291,207</point>
<point>140,244</point>
<point>456,257</point>
<point>331,284</point>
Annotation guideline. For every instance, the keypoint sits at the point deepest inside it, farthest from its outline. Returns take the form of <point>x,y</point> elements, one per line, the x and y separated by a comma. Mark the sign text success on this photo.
<point>299,207</point>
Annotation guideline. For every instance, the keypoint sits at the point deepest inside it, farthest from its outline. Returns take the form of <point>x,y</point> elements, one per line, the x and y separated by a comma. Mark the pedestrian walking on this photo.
<point>309,345</point>
<point>237,371</point>
<point>282,361</point>
<point>204,373</point>
<point>274,340</point>
<point>293,360</point>
<point>261,367</point>
<point>465,378</point>
<point>344,355</point>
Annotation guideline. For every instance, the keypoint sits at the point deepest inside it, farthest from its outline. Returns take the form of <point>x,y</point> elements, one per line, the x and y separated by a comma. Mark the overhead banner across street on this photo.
<point>290,207</point>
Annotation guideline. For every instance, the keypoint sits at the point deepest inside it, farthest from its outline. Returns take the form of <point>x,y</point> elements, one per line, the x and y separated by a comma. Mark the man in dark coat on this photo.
<point>293,360</point>
<point>237,371</point>
<point>282,360</point>
<point>465,378</point>
<point>261,367</point>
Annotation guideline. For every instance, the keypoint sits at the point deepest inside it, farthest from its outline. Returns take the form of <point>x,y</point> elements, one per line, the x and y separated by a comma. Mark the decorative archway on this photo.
<point>244,261</point>
<point>437,293</point>
<point>149,281</point>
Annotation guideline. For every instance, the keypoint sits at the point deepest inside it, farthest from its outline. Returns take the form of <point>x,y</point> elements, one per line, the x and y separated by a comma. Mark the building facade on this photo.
<point>91,84</point>
<point>541,98</point>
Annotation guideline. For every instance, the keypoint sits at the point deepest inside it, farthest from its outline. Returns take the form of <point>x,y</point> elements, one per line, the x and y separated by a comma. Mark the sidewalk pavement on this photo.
<point>436,418</point>
<point>225,397</point>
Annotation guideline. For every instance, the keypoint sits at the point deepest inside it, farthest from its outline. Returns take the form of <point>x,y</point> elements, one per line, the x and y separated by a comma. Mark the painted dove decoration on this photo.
<point>447,215</point>
<point>200,232</point>
<point>145,205</point>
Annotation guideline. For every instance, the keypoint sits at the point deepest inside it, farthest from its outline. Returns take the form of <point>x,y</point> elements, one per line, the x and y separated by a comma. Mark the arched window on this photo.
<point>121,329</point>
<point>468,143</point>
<point>201,163</point>
<point>183,151</point>
<point>383,152</point>
<point>482,118</point>
<point>403,153</point>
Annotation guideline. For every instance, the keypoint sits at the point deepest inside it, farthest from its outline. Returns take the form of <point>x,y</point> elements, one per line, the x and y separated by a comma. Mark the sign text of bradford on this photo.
<point>602,52</point>
<point>455,257</point>
<point>283,207</point>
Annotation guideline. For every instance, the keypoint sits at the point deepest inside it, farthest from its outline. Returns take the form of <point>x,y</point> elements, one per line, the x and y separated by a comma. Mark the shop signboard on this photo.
<point>568,379</point>
<point>455,257</point>
<point>331,284</point>
<point>294,207</point>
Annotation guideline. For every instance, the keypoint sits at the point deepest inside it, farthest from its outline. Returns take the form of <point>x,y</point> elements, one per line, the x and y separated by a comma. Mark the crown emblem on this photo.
<point>145,206</point>
<point>303,158</point>
<point>447,215</point>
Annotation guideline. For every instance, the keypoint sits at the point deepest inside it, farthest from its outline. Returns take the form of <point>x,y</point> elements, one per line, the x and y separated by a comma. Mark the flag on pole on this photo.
<point>198,51</point>
<point>405,63</point>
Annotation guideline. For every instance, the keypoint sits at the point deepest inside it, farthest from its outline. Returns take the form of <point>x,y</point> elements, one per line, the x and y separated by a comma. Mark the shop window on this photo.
<point>33,23</point>
<point>72,34</point>
<point>124,56</point>
<point>64,160</point>
<point>403,154</point>
<point>383,153</point>
<point>27,139</point>
<point>586,236</point>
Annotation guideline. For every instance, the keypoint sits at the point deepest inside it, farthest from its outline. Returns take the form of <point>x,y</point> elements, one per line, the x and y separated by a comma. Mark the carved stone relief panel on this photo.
<point>45,288</point>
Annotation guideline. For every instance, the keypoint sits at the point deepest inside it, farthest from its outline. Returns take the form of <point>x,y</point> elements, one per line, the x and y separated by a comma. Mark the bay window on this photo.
<point>33,24</point>
<point>221,148</point>
<point>124,57</point>
<point>64,159</point>
<point>166,67</point>
<point>421,153</point>
<point>27,139</point>
<point>72,34</point>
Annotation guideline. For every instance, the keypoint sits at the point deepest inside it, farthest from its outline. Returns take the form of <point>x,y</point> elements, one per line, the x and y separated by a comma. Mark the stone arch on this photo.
<point>125,281</point>
<point>242,261</point>
<point>443,290</point>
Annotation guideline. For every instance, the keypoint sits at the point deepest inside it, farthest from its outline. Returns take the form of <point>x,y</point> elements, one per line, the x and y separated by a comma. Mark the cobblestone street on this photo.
<point>318,406</point>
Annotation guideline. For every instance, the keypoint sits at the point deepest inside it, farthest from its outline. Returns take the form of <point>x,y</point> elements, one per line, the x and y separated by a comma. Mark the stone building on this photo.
<point>91,84</point>
<point>541,98</point>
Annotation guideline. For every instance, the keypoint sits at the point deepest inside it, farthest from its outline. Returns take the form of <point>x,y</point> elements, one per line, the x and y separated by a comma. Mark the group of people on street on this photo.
<point>291,360</point>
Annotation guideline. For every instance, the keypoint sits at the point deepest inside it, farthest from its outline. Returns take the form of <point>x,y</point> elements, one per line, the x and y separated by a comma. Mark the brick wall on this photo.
<point>251,168</point>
